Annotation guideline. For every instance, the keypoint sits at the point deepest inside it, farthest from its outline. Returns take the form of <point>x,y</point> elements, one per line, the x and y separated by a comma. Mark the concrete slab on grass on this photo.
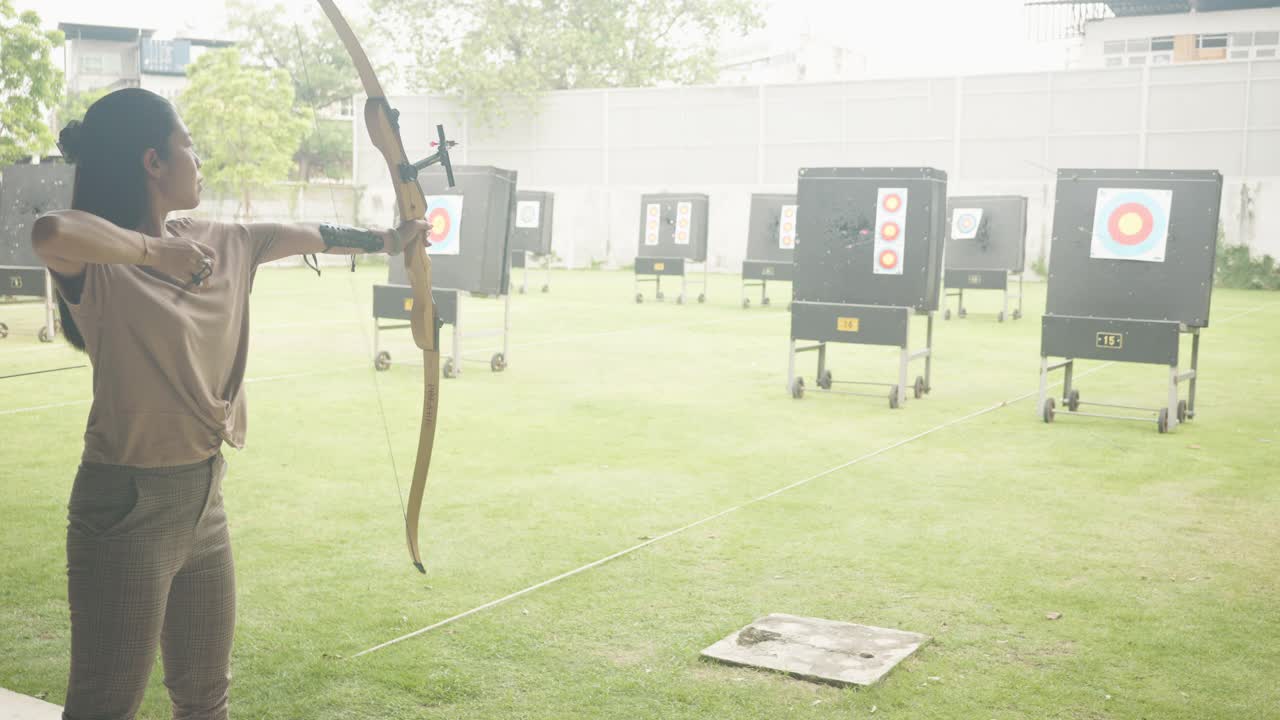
<point>15,706</point>
<point>825,651</point>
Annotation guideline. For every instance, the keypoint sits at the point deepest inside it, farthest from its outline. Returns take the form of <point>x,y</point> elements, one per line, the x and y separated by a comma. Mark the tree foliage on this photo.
<point>30,84</point>
<point>318,66</point>
<point>244,121</point>
<point>482,50</point>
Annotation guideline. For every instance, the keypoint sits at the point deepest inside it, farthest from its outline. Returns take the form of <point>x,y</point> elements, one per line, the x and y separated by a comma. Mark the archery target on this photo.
<point>444,215</point>
<point>1131,224</point>
<point>965,222</point>
<point>891,226</point>
<point>652,222</point>
<point>787,227</point>
<point>528,214</point>
<point>684,215</point>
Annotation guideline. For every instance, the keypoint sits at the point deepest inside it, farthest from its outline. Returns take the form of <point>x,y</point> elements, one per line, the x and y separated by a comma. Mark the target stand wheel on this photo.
<point>1000,316</point>
<point>639,298</point>
<point>797,388</point>
<point>448,370</point>
<point>765,301</point>
<point>4,331</point>
<point>746,303</point>
<point>46,335</point>
<point>893,398</point>
<point>946,314</point>
<point>824,380</point>
<point>546,288</point>
<point>918,389</point>
<point>1182,411</point>
<point>680,299</point>
<point>1162,421</point>
<point>1073,400</point>
<point>962,314</point>
<point>383,361</point>
<point>702,297</point>
<point>660,295</point>
<point>1017,314</point>
<point>1047,413</point>
<point>498,362</point>
<point>522,289</point>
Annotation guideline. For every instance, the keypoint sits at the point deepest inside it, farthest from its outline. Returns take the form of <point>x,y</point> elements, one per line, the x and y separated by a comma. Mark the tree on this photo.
<point>321,72</point>
<point>76,104</point>
<point>481,50</point>
<point>29,84</point>
<point>244,122</point>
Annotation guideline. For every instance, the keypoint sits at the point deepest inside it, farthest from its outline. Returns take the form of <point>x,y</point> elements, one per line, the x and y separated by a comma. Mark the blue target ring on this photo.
<point>1128,215</point>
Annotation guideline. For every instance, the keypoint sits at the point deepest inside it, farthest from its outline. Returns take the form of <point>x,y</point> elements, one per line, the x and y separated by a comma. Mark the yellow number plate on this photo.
<point>1111,341</point>
<point>658,267</point>
<point>408,304</point>
<point>975,279</point>
<point>847,324</point>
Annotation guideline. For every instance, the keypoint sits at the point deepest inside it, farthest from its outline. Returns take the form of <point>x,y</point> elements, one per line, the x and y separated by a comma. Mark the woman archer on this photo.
<point>162,309</point>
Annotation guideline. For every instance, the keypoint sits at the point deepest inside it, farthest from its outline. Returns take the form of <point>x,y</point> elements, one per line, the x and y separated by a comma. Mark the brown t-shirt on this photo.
<point>168,364</point>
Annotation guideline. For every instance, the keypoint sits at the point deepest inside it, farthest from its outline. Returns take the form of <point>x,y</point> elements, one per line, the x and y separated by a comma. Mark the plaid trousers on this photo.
<point>149,568</point>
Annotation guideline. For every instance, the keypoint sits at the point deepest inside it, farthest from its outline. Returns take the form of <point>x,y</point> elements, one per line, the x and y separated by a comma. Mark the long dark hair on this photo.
<point>107,149</point>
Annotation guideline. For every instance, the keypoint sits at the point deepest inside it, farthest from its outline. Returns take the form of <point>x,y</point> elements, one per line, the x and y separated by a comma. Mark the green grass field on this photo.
<point>618,422</point>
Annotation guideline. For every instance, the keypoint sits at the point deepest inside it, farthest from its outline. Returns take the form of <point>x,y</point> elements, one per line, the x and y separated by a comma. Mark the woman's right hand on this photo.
<point>188,262</point>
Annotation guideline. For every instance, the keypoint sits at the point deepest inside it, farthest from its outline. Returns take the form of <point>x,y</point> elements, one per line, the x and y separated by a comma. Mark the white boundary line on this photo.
<point>722,513</point>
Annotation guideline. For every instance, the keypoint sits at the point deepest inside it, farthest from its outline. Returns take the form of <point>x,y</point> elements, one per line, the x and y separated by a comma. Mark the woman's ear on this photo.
<point>151,162</point>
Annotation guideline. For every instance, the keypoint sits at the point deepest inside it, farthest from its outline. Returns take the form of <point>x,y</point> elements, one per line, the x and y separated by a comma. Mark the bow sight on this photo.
<point>409,171</point>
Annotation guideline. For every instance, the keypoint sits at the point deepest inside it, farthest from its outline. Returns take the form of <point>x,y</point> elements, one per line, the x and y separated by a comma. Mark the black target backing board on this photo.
<point>532,230</point>
<point>482,237</point>
<point>674,225</point>
<point>844,227</point>
<point>26,192</point>
<point>1134,244</point>
<point>767,238</point>
<point>996,241</point>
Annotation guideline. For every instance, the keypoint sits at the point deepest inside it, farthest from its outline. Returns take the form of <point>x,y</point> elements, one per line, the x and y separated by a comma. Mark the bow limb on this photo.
<point>382,122</point>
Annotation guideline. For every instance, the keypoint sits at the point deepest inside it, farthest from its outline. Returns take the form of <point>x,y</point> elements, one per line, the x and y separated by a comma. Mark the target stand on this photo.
<point>986,245</point>
<point>870,261</point>
<point>1131,272</point>
<point>771,242</point>
<point>27,192</point>
<point>469,250</point>
<point>673,241</point>
<point>531,236</point>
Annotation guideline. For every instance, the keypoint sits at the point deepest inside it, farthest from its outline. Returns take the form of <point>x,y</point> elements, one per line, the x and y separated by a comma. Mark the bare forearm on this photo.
<point>73,238</point>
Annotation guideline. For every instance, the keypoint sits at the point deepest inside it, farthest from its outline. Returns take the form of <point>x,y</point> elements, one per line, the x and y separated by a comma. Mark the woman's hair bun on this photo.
<point>70,140</point>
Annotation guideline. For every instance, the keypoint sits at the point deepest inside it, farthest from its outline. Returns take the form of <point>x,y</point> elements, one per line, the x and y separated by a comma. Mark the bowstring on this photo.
<point>355,300</point>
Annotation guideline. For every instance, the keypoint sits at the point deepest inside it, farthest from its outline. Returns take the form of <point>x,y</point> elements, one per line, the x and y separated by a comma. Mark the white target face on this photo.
<point>965,223</point>
<point>528,214</point>
<point>684,219</point>
<point>787,227</point>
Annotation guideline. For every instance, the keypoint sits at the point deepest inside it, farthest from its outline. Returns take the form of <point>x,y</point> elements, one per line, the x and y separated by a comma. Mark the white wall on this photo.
<point>599,150</point>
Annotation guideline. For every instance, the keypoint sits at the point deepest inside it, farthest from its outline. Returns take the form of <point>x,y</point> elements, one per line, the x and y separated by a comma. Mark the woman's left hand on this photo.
<point>408,231</point>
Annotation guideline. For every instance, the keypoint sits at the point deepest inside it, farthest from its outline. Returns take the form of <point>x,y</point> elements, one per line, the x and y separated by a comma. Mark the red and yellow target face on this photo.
<point>440,224</point>
<point>1130,223</point>
<point>888,259</point>
<point>893,202</point>
<point>890,231</point>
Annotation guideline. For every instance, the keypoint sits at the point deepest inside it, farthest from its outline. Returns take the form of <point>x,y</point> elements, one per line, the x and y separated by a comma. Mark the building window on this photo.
<point>1115,61</point>
<point>1239,55</point>
<point>1142,45</point>
<point>1161,59</point>
<point>1240,39</point>
<point>1267,38</point>
<point>1113,47</point>
<point>91,64</point>
<point>1137,59</point>
<point>1265,52</point>
<point>1164,43</point>
<point>1211,41</point>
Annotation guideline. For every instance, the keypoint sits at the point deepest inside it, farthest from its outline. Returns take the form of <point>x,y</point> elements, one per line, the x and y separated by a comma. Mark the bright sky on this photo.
<point>898,37</point>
